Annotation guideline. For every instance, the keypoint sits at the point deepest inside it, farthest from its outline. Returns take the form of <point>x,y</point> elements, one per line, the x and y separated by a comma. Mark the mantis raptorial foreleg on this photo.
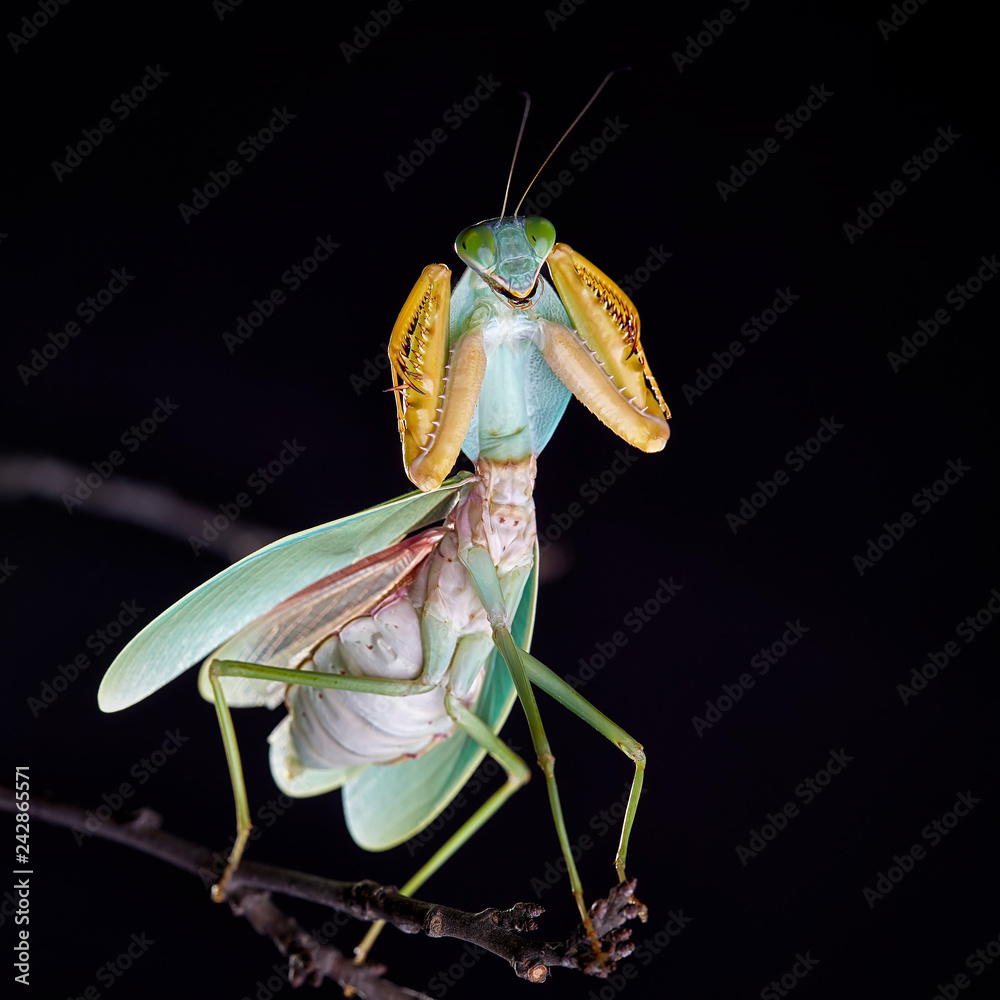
<point>518,774</point>
<point>304,678</point>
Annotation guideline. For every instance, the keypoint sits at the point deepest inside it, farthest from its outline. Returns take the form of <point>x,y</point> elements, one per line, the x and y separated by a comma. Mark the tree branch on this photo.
<point>497,931</point>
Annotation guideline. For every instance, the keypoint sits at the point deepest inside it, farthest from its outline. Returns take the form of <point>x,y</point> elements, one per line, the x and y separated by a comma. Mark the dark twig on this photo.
<point>309,961</point>
<point>496,931</point>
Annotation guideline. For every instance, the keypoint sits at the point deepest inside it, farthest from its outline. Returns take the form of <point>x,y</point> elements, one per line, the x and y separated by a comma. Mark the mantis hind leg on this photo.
<point>553,685</point>
<point>512,654</point>
<point>518,774</point>
<point>525,669</point>
<point>255,671</point>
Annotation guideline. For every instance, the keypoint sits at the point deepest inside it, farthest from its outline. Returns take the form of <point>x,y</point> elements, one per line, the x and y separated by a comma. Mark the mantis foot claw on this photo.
<point>220,889</point>
<point>605,924</point>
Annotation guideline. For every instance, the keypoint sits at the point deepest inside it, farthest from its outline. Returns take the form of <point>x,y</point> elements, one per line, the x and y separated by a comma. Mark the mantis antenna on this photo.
<point>562,138</point>
<point>517,146</point>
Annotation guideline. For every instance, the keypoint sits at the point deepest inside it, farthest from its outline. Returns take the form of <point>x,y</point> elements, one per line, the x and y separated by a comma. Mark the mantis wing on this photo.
<point>201,621</point>
<point>385,806</point>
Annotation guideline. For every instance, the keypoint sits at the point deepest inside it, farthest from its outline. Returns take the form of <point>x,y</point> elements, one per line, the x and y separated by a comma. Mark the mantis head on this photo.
<point>508,253</point>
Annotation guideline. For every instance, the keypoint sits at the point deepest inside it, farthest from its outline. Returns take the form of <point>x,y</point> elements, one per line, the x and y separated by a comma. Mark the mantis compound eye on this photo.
<point>541,234</point>
<point>476,246</point>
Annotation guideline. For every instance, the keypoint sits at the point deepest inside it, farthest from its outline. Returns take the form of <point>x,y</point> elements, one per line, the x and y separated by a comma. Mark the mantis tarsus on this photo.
<point>392,648</point>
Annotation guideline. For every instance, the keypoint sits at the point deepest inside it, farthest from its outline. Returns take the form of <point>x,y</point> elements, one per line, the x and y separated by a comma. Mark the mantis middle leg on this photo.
<point>307,678</point>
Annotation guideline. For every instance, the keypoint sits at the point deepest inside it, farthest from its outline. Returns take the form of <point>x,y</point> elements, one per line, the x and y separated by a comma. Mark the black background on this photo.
<point>301,377</point>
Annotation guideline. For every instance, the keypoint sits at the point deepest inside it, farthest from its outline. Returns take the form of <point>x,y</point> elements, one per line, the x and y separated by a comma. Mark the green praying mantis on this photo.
<point>399,655</point>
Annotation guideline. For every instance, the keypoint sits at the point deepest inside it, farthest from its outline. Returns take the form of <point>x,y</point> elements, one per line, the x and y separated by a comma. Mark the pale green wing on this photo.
<point>204,619</point>
<point>388,804</point>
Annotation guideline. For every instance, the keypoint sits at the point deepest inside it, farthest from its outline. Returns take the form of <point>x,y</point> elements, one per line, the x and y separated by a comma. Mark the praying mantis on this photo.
<point>399,655</point>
